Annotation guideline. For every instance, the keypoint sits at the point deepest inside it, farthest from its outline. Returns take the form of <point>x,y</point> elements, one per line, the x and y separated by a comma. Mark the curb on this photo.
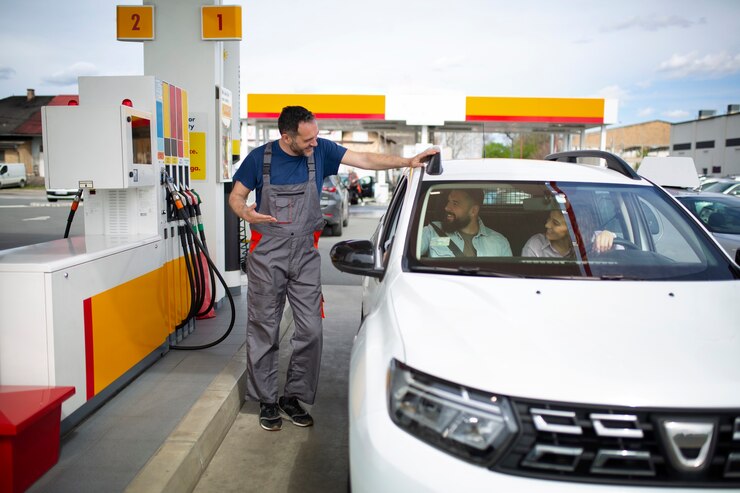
<point>180,461</point>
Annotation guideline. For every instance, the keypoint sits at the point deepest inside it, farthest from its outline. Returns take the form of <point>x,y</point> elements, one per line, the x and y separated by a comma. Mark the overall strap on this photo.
<point>266,163</point>
<point>311,166</point>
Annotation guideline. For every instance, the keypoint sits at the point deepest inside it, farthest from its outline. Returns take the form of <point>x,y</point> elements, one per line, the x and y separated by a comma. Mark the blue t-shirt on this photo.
<point>289,170</point>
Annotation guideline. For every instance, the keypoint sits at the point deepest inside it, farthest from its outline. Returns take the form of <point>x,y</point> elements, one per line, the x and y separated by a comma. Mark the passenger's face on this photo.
<point>459,211</point>
<point>555,227</point>
<point>304,142</point>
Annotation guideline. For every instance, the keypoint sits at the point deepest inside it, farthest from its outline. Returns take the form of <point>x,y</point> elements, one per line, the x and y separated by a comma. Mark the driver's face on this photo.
<point>459,211</point>
<point>305,140</point>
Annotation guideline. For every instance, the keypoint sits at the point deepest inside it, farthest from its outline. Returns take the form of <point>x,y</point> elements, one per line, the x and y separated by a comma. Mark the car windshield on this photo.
<point>719,214</point>
<point>562,230</point>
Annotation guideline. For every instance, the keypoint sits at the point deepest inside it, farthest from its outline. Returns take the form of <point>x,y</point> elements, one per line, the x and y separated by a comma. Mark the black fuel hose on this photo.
<point>72,210</point>
<point>189,228</point>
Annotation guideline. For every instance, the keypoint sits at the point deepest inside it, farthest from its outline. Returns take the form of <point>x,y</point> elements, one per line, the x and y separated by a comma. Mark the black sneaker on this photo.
<point>270,419</point>
<point>293,410</point>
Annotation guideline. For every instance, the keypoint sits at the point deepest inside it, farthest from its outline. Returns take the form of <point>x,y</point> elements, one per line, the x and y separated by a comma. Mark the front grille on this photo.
<point>659,447</point>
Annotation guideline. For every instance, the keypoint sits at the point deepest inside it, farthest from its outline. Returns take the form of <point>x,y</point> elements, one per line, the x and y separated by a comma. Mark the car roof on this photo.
<point>528,170</point>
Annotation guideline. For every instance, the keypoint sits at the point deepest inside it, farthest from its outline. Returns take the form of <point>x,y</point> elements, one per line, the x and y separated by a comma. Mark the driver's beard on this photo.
<point>455,225</point>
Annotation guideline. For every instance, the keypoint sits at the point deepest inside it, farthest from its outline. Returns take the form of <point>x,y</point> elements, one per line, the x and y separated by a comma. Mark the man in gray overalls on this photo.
<point>286,222</point>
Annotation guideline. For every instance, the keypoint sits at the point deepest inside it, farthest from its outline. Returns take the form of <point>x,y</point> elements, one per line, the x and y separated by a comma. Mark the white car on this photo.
<point>587,372</point>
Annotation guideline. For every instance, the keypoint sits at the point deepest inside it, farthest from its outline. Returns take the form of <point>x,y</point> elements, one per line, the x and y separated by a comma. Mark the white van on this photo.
<point>13,175</point>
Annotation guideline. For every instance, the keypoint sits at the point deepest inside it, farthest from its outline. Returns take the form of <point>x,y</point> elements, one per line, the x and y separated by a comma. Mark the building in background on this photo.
<point>632,142</point>
<point>20,129</point>
<point>712,140</point>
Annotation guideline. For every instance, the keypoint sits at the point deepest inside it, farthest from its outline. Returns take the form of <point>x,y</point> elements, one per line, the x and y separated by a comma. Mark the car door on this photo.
<point>383,240</point>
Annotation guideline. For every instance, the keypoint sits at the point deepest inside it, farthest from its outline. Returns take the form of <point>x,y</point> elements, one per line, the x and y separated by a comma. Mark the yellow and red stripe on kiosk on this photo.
<point>126,323</point>
<point>535,110</point>
<point>324,106</point>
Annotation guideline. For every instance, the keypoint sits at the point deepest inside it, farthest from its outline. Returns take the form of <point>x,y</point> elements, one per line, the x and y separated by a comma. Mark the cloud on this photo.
<point>613,92</point>
<point>6,73</point>
<point>654,23</point>
<point>645,112</point>
<point>645,84</point>
<point>676,114</point>
<point>69,75</point>
<point>708,66</point>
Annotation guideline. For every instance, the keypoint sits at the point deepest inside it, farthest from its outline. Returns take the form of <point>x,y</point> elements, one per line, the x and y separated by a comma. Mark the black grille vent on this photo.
<point>621,446</point>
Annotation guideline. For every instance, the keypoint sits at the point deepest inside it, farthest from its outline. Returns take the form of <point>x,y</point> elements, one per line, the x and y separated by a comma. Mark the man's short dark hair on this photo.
<point>475,194</point>
<point>291,117</point>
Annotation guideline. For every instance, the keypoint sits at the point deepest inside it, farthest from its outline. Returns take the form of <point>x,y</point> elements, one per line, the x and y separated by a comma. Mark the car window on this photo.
<point>390,221</point>
<point>549,229</point>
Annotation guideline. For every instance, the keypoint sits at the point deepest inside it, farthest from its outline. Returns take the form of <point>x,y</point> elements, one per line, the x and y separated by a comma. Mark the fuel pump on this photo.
<point>117,298</point>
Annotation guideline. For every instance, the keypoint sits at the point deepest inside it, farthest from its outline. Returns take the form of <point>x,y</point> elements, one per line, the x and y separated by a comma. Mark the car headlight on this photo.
<point>470,424</point>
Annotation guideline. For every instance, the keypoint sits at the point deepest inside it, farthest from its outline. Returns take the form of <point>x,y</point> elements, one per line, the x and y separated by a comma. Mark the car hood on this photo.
<point>662,344</point>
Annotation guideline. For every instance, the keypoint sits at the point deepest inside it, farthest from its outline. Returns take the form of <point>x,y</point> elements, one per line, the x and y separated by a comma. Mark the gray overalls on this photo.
<point>285,261</point>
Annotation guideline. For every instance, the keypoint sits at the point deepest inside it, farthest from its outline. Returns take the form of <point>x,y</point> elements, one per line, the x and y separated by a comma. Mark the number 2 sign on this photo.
<point>221,22</point>
<point>134,23</point>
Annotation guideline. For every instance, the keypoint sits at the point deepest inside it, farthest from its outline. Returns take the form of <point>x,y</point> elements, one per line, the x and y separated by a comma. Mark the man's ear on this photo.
<point>475,209</point>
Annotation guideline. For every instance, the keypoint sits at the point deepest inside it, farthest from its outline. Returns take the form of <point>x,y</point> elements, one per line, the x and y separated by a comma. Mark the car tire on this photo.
<point>22,183</point>
<point>346,220</point>
<point>336,229</point>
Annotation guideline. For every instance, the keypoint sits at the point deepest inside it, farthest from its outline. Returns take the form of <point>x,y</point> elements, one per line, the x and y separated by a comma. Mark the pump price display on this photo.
<point>221,22</point>
<point>134,23</point>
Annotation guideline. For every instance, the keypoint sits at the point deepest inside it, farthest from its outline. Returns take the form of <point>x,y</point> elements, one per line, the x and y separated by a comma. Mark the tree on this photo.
<point>496,149</point>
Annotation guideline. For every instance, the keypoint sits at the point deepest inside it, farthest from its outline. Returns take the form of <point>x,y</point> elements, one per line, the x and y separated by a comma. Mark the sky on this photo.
<point>662,59</point>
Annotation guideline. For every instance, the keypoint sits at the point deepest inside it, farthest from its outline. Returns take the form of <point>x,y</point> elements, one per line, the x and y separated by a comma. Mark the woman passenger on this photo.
<point>556,241</point>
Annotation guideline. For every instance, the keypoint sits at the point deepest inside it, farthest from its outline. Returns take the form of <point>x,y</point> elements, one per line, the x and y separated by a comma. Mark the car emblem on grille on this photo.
<point>689,443</point>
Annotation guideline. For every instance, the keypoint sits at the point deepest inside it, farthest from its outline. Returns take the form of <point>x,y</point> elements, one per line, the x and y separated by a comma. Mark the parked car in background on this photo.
<point>583,373</point>
<point>719,213</point>
<point>54,194</point>
<point>335,204</point>
<point>13,175</point>
<point>727,186</point>
<point>367,187</point>
<point>358,188</point>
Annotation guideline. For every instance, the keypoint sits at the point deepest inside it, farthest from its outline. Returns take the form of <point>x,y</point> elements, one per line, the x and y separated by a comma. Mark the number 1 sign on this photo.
<point>221,22</point>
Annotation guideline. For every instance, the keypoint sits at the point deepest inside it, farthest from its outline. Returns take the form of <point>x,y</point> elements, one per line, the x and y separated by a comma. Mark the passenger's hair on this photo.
<point>291,117</point>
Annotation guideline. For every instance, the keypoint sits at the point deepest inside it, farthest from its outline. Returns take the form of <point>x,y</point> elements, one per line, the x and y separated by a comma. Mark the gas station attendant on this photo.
<point>283,260</point>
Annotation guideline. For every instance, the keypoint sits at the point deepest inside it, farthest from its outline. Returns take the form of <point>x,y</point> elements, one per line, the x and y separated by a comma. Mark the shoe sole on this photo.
<point>287,416</point>
<point>276,428</point>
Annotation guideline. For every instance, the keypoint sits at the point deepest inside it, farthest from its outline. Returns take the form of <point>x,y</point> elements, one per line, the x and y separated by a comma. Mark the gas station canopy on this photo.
<point>444,112</point>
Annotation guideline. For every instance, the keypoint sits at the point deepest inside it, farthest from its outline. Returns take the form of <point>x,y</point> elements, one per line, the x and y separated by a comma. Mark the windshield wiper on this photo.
<point>464,270</point>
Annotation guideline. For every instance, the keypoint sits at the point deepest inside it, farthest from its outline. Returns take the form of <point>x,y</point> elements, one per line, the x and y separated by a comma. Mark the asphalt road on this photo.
<point>26,218</point>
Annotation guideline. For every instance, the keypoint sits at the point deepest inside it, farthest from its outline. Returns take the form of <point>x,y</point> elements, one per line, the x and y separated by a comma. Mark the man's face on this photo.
<point>303,142</point>
<point>459,211</point>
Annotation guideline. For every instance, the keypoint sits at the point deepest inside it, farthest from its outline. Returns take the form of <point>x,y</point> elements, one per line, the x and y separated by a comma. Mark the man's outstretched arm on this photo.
<point>376,161</point>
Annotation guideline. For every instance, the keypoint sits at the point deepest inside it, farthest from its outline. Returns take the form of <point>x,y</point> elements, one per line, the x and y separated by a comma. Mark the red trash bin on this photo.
<point>29,433</point>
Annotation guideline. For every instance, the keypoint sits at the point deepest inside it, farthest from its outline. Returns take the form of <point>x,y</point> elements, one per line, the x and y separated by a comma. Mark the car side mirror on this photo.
<point>355,257</point>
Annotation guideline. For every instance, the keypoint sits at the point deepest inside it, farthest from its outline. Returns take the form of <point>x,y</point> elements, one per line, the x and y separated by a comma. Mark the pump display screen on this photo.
<point>141,139</point>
